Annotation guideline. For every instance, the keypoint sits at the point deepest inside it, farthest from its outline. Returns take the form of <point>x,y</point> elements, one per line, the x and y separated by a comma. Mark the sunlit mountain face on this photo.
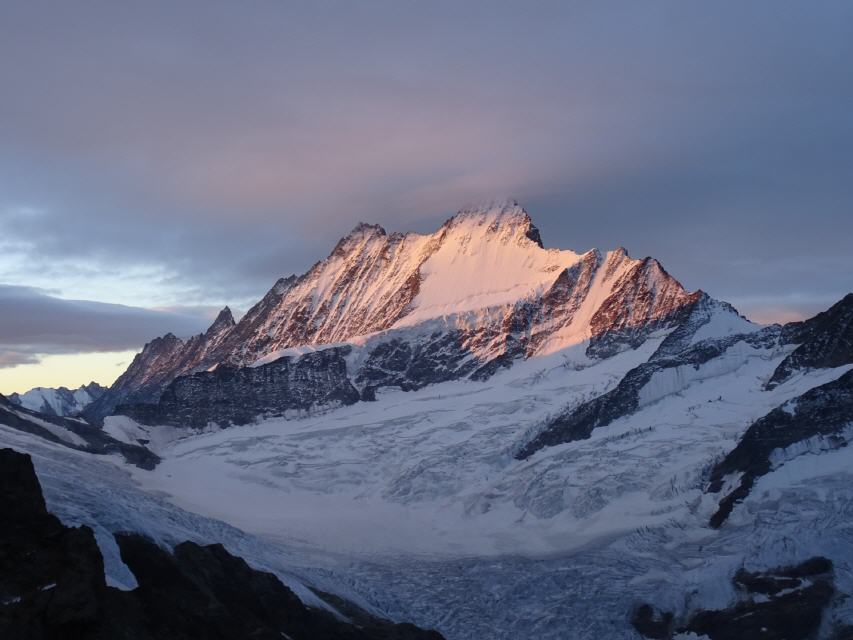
<point>380,321</point>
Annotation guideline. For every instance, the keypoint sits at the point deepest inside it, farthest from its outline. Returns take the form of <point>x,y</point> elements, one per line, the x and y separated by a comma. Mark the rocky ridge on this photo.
<point>474,296</point>
<point>819,419</point>
<point>316,379</point>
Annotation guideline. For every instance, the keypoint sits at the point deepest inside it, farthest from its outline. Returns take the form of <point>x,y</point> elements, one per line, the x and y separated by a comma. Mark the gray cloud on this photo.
<point>34,323</point>
<point>193,153</point>
<point>15,358</point>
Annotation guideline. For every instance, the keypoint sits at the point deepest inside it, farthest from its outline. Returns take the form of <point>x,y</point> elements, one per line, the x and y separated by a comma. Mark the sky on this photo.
<point>170,158</point>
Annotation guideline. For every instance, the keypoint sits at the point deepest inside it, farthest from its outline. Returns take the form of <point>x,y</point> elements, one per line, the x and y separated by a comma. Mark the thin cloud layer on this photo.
<point>159,153</point>
<point>34,324</point>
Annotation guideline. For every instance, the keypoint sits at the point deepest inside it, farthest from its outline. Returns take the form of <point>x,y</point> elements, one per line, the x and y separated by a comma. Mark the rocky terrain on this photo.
<point>811,337</point>
<point>229,395</point>
<point>821,418</point>
<point>157,365</point>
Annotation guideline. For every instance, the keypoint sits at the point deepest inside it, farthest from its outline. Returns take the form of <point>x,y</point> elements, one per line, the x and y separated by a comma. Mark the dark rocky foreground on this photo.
<point>52,585</point>
<point>784,603</point>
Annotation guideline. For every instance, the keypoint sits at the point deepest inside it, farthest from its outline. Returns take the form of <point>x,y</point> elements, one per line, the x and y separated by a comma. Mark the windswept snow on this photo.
<point>410,460</point>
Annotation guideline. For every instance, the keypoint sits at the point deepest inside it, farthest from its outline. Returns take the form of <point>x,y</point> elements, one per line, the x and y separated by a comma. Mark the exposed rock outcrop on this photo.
<point>230,395</point>
<point>158,364</point>
<point>655,300</point>
<point>577,423</point>
<point>825,341</point>
<point>785,603</point>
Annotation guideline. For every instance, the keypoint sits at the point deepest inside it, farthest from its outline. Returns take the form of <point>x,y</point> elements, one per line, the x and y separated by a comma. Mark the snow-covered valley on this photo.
<point>415,506</point>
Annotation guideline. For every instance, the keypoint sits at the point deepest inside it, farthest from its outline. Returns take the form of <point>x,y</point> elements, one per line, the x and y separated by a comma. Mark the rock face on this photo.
<point>52,585</point>
<point>72,433</point>
<point>819,419</point>
<point>825,340</point>
<point>464,301</point>
<point>60,401</point>
<point>230,395</point>
<point>50,575</point>
<point>159,362</point>
<point>782,603</point>
<point>656,301</point>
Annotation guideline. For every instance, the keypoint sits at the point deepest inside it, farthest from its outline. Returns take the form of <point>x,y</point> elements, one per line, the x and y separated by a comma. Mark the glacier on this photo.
<point>414,506</point>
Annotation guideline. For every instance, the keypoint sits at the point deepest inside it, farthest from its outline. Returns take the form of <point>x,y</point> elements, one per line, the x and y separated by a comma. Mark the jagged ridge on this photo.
<point>60,401</point>
<point>483,284</point>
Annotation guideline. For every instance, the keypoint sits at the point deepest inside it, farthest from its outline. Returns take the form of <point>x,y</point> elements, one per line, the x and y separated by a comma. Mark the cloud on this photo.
<point>34,323</point>
<point>14,358</point>
<point>192,154</point>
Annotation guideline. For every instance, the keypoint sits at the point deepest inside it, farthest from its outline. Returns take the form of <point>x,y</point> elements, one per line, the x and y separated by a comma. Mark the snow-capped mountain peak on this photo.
<point>59,401</point>
<point>507,218</point>
<point>478,293</point>
<point>224,322</point>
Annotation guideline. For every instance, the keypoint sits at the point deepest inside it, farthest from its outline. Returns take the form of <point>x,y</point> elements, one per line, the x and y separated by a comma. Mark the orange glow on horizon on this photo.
<point>67,370</point>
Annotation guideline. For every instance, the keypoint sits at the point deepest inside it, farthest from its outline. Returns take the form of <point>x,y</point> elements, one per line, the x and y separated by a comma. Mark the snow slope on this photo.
<point>484,258</point>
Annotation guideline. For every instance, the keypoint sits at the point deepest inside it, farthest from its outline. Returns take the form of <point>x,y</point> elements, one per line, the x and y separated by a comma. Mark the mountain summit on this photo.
<point>476,294</point>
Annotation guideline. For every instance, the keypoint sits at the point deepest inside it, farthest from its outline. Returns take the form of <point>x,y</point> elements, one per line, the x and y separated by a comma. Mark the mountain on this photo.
<point>60,401</point>
<point>476,295</point>
<point>159,363</point>
<point>516,442</point>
